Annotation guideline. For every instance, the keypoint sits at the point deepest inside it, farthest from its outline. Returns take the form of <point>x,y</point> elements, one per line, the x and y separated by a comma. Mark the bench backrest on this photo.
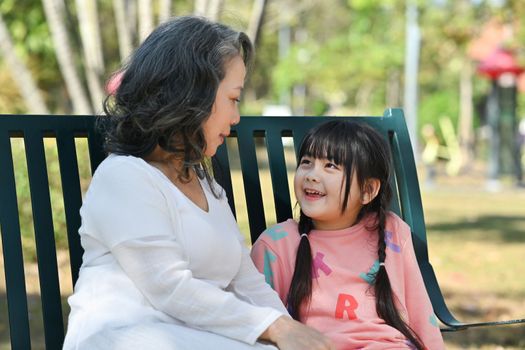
<point>65,129</point>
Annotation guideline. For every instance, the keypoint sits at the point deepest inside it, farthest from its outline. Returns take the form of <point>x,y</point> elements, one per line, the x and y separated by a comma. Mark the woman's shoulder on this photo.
<point>121,171</point>
<point>117,162</point>
<point>122,166</point>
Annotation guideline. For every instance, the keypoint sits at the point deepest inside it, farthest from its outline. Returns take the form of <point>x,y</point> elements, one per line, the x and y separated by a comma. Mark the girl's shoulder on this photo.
<point>283,233</point>
<point>397,227</point>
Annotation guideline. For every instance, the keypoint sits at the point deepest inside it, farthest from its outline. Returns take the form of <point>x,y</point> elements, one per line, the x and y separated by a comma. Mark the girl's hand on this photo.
<point>288,334</point>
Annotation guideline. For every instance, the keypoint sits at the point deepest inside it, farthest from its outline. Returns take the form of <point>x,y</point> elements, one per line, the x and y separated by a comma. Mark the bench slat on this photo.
<point>12,250</point>
<point>277,164</point>
<point>44,238</point>
<point>72,196</point>
<point>252,183</point>
<point>222,174</point>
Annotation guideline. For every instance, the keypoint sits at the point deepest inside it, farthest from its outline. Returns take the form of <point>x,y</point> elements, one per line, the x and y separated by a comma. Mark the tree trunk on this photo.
<point>412,50</point>
<point>145,18</point>
<point>465,113</point>
<point>256,20</point>
<point>393,89</point>
<point>363,96</point>
<point>123,32</point>
<point>213,10</point>
<point>21,75</point>
<point>200,7</point>
<point>54,11</point>
<point>92,49</point>
<point>164,10</point>
<point>132,20</point>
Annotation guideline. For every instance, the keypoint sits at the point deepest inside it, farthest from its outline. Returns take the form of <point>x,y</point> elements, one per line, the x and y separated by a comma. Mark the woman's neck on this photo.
<point>170,165</point>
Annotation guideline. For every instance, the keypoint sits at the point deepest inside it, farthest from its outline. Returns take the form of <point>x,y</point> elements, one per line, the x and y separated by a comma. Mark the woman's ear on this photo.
<point>372,187</point>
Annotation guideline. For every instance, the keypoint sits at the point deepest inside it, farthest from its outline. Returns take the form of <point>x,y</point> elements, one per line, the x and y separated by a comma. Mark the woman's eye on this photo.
<point>305,161</point>
<point>331,165</point>
<point>236,100</point>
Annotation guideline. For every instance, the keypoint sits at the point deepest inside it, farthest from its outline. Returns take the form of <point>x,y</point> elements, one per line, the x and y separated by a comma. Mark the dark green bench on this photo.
<point>272,129</point>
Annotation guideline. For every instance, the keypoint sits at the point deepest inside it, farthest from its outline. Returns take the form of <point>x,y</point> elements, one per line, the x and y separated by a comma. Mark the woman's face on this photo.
<point>225,110</point>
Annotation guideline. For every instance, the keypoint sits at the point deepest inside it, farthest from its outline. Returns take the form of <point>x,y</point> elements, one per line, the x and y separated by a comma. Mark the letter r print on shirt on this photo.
<point>346,303</point>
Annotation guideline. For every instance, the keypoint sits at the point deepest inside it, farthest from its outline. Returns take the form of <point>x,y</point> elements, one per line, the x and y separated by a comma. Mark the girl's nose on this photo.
<point>312,176</point>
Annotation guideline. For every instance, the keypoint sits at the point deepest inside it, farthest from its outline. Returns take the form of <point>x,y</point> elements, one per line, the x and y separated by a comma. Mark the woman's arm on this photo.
<point>250,284</point>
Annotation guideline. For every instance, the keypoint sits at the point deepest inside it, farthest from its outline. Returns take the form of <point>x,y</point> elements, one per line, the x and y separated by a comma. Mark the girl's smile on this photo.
<point>312,195</point>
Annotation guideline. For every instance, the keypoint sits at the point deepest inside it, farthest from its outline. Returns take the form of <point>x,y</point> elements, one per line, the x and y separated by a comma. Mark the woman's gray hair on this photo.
<point>168,88</point>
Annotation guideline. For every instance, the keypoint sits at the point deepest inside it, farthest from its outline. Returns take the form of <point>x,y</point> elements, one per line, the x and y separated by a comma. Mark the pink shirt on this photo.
<point>344,261</point>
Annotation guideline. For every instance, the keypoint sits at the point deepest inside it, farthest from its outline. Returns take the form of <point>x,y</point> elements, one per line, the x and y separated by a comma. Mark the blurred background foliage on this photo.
<point>346,55</point>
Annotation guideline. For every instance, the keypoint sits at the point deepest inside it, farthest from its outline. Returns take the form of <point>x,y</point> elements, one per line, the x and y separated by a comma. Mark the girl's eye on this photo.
<point>305,161</point>
<point>331,165</point>
<point>236,100</point>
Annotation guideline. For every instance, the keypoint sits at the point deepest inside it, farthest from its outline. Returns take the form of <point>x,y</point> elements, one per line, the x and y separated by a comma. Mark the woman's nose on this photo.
<point>236,119</point>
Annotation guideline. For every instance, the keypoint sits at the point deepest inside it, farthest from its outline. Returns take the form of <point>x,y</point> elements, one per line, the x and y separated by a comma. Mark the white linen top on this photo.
<point>152,255</point>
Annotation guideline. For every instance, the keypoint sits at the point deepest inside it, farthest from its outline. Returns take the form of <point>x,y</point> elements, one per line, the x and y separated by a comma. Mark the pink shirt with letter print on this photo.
<point>344,262</point>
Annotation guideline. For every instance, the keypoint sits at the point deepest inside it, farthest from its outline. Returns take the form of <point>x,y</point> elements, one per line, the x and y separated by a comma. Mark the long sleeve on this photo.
<point>250,283</point>
<point>420,312</point>
<point>160,272</point>
<point>133,218</point>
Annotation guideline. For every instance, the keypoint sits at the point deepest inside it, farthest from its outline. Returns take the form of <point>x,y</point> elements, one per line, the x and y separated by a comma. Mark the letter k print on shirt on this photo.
<point>319,264</point>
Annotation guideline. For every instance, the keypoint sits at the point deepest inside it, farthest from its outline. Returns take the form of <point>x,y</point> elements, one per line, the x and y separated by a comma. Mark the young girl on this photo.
<point>348,267</point>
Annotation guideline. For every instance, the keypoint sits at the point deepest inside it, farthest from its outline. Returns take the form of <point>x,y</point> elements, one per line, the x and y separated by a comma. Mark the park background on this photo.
<point>319,57</point>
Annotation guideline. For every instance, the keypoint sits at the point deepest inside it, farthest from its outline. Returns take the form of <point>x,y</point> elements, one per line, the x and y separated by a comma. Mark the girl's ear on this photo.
<point>371,188</point>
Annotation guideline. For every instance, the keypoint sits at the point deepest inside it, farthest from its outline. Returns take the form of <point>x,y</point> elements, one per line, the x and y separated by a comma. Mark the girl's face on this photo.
<point>319,189</point>
<point>225,110</point>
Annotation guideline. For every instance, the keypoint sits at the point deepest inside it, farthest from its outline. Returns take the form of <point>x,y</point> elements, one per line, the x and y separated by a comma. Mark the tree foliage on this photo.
<point>348,55</point>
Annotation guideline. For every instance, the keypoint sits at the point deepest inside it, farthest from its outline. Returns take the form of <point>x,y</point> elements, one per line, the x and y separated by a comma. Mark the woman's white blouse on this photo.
<point>152,255</point>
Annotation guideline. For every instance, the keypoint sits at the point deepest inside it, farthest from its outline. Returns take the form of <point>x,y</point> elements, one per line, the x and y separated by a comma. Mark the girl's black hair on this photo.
<point>168,88</point>
<point>363,153</point>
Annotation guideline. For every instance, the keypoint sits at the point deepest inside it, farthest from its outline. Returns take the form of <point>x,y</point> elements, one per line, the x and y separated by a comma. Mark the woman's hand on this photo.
<point>288,334</point>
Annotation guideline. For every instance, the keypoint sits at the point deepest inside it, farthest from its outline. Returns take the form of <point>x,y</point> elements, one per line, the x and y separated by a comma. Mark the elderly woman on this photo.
<point>165,266</point>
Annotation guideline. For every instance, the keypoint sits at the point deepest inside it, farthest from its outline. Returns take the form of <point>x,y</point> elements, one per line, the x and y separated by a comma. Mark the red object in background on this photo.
<point>114,83</point>
<point>500,61</point>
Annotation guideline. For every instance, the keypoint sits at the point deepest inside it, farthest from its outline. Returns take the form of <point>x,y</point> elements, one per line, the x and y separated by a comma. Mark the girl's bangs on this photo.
<point>326,145</point>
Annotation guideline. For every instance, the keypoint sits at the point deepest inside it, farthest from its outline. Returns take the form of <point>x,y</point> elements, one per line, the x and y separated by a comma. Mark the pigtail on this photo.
<point>301,285</point>
<point>385,305</point>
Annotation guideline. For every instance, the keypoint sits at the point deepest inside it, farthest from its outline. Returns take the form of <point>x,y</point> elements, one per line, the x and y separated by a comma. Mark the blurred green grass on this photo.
<point>477,248</point>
